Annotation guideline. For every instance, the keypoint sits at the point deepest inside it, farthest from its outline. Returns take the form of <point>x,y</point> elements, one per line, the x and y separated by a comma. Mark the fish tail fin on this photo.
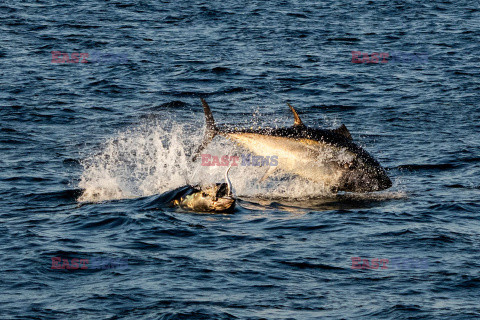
<point>210,129</point>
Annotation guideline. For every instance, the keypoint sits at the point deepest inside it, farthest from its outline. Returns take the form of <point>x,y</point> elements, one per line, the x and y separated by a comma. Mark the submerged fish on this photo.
<point>328,157</point>
<point>216,198</point>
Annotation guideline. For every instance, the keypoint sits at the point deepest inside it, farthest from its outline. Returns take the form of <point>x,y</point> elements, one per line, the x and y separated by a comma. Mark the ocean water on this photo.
<point>87,148</point>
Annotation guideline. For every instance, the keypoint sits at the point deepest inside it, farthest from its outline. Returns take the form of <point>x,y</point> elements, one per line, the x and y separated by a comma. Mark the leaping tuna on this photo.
<point>328,157</point>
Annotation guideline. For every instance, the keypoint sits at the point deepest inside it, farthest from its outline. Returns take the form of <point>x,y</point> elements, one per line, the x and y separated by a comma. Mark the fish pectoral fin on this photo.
<point>268,173</point>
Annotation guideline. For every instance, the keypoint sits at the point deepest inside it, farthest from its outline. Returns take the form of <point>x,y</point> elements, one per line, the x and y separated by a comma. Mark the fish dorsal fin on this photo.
<point>342,130</point>
<point>297,122</point>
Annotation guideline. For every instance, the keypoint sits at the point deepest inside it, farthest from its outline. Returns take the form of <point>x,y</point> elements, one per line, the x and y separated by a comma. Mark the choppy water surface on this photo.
<point>86,149</point>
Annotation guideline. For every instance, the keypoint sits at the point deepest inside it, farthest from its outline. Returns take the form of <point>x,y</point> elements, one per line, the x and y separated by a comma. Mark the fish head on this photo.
<point>213,198</point>
<point>363,174</point>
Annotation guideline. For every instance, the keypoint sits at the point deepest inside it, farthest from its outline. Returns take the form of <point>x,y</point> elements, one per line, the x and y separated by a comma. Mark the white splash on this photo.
<point>138,162</point>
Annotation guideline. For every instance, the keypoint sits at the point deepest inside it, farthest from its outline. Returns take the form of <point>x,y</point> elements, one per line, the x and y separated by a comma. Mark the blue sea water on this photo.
<point>86,149</point>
